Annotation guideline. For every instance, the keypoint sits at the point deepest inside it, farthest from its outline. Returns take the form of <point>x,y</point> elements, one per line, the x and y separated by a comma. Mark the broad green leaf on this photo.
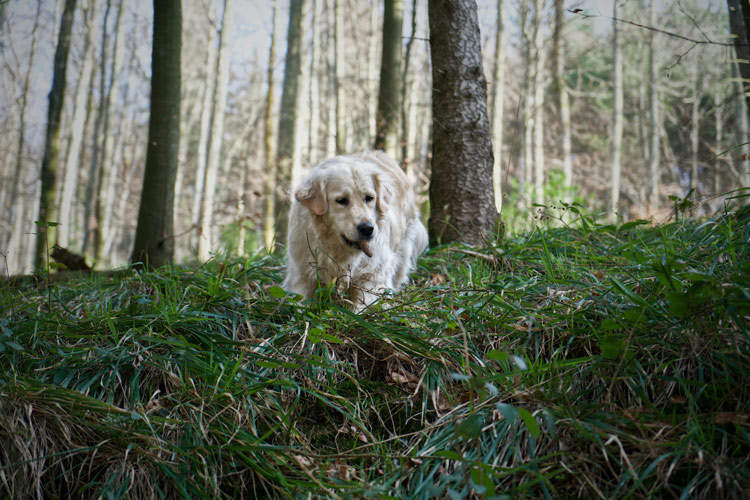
<point>530,422</point>
<point>276,292</point>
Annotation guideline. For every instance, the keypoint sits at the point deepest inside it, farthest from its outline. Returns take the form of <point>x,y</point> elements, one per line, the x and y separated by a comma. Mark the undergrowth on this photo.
<point>595,361</point>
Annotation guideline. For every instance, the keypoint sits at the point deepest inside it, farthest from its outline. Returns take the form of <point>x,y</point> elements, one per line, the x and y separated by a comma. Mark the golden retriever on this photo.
<point>354,221</point>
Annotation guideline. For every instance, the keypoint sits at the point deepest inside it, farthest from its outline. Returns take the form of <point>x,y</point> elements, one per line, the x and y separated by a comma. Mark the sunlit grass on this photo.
<point>582,361</point>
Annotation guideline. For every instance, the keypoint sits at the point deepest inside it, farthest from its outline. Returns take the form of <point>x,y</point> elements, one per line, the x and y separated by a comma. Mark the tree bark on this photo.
<point>461,200</point>
<point>496,120</point>
<point>406,125</point>
<point>209,81</point>
<point>739,25</point>
<point>17,214</point>
<point>742,131</point>
<point>288,113</point>
<point>617,115</point>
<point>77,128</point>
<point>47,235</point>
<point>539,59</point>
<point>154,238</point>
<point>653,99</point>
<point>205,241</point>
<point>269,221</point>
<point>109,168</point>
<point>314,86</point>
<point>694,127</point>
<point>563,100</point>
<point>389,95</point>
<point>338,15</point>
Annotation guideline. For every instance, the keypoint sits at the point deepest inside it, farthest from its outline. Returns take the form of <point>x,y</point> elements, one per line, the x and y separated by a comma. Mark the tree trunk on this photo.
<point>386,118</point>
<point>110,169</point>
<point>17,214</point>
<point>269,222</point>
<point>653,100</point>
<point>338,14</point>
<point>406,125</point>
<point>288,114</point>
<point>461,200</point>
<point>539,170</point>
<point>209,80</point>
<point>739,25</point>
<point>496,120</point>
<point>694,128</point>
<point>527,103</point>
<point>205,241</point>
<point>154,238</point>
<point>92,209</point>
<point>372,82</point>
<point>77,128</point>
<point>47,235</point>
<point>314,86</point>
<point>741,130</point>
<point>617,117</point>
<point>719,128</point>
<point>563,100</point>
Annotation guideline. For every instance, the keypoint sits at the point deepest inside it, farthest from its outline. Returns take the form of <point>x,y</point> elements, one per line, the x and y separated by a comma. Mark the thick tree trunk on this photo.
<point>655,126</point>
<point>269,220</point>
<point>154,238</point>
<point>742,134</point>
<point>205,241</point>
<point>389,95</point>
<point>461,201</point>
<point>77,129</point>
<point>617,116</point>
<point>496,120</point>
<point>47,235</point>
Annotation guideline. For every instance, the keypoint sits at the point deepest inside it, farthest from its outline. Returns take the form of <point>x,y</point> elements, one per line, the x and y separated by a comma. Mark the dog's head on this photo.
<point>349,194</point>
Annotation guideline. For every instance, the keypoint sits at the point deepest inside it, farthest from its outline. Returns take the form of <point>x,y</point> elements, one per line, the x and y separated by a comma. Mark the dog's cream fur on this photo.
<point>324,243</point>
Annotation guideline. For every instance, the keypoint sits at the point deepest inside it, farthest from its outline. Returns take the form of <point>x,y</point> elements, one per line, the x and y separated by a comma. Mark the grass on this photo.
<point>594,361</point>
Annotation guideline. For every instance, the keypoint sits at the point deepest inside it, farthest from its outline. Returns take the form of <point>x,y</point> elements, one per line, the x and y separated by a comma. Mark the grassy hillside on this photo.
<point>591,361</point>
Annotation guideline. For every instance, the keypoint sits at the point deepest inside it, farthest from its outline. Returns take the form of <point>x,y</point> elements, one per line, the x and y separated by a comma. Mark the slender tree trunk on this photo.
<point>617,115</point>
<point>372,82</point>
<point>405,124</point>
<point>719,128</point>
<point>694,129</point>
<point>643,111</point>
<point>527,103</point>
<point>288,114</point>
<point>338,14</point>
<point>301,111</point>
<point>109,169</point>
<point>461,201</point>
<point>47,212</point>
<point>653,99</point>
<point>563,100</point>
<point>209,82</point>
<point>386,136</point>
<point>539,170</point>
<point>314,87</point>
<point>739,24</point>
<point>742,133</point>
<point>16,215</point>
<point>92,208</point>
<point>269,223</point>
<point>154,238</point>
<point>496,120</point>
<point>205,242</point>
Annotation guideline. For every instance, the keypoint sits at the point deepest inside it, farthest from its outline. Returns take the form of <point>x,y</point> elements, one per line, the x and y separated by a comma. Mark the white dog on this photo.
<point>353,221</point>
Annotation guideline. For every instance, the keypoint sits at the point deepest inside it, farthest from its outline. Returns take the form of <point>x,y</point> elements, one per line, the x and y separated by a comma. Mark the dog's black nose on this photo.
<point>365,230</point>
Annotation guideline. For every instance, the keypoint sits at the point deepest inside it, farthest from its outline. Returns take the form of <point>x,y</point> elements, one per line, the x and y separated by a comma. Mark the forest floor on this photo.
<point>593,361</point>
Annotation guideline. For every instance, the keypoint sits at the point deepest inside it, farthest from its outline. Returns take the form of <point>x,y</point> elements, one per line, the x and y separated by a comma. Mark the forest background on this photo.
<point>681,116</point>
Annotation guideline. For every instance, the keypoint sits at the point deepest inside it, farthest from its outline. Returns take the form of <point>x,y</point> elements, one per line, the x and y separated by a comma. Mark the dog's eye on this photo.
<point>368,198</point>
<point>342,201</point>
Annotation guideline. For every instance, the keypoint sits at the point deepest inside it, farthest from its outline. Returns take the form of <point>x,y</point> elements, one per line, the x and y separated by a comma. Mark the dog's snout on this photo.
<point>365,230</point>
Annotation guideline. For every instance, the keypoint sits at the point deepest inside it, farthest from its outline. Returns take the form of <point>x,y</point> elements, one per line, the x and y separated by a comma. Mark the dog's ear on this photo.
<point>312,194</point>
<point>386,192</point>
